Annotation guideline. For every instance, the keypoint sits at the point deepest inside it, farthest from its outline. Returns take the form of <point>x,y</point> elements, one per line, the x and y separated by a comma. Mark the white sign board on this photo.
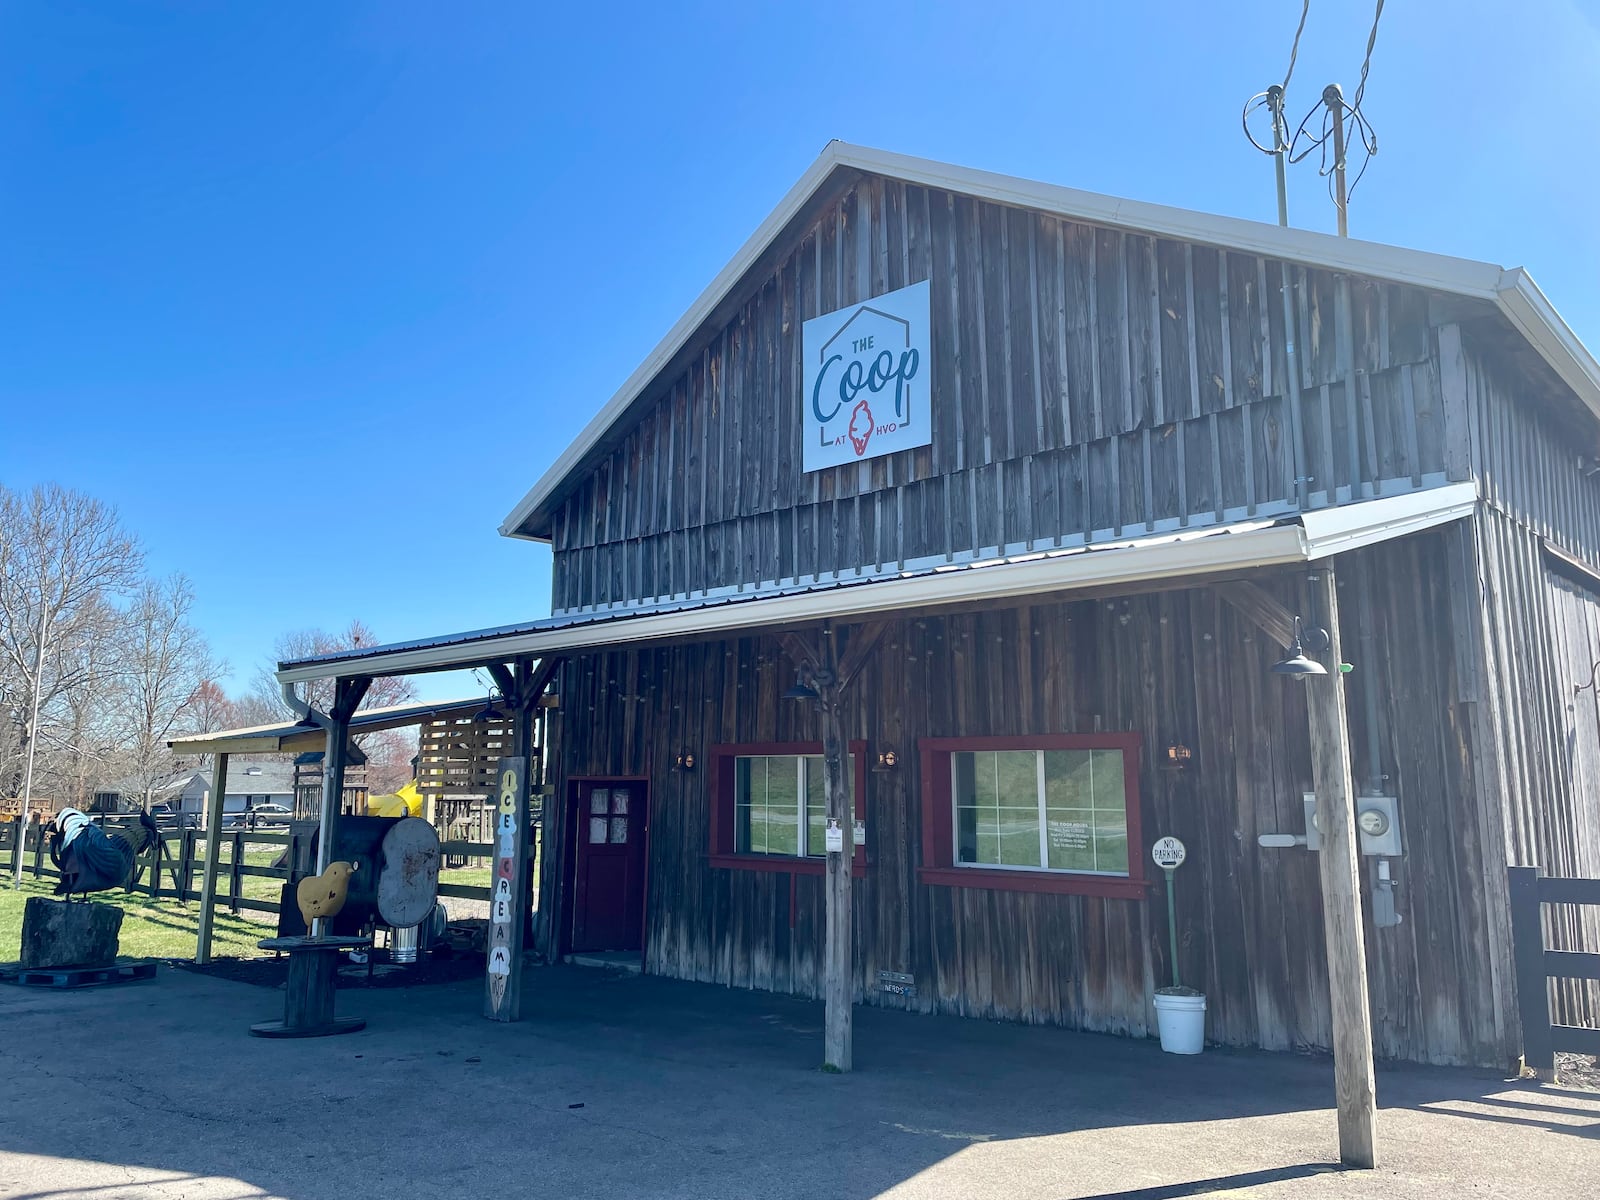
<point>833,837</point>
<point>868,380</point>
<point>1168,853</point>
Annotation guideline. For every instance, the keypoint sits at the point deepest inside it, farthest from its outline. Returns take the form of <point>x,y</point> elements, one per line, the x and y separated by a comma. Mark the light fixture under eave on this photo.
<point>1296,665</point>
<point>488,712</point>
<point>801,691</point>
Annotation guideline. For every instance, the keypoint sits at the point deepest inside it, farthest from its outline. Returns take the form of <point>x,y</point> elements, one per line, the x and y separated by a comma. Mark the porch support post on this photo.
<point>521,686</point>
<point>838,976</point>
<point>832,675</point>
<point>1339,863</point>
<point>347,696</point>
<point>208,880</point>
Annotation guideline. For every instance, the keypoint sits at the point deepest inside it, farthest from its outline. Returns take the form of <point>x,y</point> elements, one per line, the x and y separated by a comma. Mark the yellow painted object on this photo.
<point>324,895</point>
<point>407,802</point>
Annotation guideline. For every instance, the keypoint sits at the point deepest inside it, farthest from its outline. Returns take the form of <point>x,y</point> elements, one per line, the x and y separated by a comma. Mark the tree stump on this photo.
<point>58,934</point>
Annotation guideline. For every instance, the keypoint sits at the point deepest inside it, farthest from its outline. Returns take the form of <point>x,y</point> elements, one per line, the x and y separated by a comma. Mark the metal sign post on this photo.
<point>504,968</point>
<point>1169,854</point>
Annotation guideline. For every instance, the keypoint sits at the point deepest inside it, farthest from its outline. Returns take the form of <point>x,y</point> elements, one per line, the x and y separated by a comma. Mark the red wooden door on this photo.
<point>608,900</point>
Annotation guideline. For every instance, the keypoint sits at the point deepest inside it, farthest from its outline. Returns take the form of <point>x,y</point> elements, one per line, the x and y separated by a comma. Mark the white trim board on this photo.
<point>1512,291</point>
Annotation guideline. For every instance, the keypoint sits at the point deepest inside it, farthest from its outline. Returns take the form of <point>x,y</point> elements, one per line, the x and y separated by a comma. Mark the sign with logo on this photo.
<point>1169,853</point>
<point>868,377</point>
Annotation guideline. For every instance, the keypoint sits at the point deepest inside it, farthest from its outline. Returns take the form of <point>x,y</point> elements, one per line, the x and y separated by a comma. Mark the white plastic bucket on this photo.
<point>1182,1021</point>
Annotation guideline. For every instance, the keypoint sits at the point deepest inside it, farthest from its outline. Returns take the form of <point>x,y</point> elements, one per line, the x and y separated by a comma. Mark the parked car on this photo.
<point>268,814</point>
<point>170,816</point>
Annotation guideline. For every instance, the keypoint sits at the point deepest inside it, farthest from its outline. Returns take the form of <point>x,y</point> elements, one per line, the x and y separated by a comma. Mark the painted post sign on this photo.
<point>868,373</point>
<point>504,969</point>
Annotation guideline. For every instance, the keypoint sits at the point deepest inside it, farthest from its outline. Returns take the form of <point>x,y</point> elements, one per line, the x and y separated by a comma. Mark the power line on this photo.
<point>1366,63</point>
<point>1266,99</point>
<point>1294,50</point>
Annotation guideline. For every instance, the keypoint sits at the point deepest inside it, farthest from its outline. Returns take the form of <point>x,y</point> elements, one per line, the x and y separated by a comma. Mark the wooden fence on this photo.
<point>1536,965</point>
<point>175,864</point>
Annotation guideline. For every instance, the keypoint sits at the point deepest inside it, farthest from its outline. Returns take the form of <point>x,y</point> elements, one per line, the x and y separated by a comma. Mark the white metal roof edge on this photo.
<point>285,735</point>
<point>1512,291</point>
<point>1331,531</point>
<point>1220,551</point>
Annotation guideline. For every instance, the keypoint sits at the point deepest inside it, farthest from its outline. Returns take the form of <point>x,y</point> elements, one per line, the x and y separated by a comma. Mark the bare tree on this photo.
<point>210,710</point>
<point>61,555</point>
<point>385,691</point>
<point>165,663</point>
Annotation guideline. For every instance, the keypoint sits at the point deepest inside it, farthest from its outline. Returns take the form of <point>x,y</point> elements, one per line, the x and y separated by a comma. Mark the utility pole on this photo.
<point>33,742</point>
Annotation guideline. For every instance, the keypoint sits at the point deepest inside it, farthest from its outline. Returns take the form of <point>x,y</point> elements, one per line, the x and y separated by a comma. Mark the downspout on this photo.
<point>302,709</point>
<point>1297,437</point>
<point>307,716</point>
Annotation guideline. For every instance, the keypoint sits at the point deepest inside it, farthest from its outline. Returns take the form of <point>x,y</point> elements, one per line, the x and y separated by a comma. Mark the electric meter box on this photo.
<point>1377,825</point>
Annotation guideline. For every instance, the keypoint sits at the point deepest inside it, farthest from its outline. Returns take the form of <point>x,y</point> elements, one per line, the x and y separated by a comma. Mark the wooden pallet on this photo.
<point>79,977</point>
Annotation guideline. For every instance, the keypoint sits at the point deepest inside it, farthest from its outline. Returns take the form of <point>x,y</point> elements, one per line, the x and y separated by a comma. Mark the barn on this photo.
<point>1054,517</point>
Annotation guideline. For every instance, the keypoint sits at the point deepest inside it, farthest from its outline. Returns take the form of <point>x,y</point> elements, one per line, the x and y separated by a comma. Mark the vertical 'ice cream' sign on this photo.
<point>505,916</point>
<point>867,376</point>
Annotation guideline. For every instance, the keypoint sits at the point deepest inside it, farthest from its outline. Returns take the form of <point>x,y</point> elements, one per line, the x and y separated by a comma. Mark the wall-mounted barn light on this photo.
<point>684,761</point>
<point>801,690</point>
<point>1295,664</point>
<point>887,760</point>
<point>488,712</point>
<point>1177,757</point>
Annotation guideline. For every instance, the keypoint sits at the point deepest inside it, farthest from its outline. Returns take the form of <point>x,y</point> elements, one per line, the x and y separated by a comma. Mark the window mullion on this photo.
<point>1094,818</point>
<point>1044,840</point>
<point>802,800</point>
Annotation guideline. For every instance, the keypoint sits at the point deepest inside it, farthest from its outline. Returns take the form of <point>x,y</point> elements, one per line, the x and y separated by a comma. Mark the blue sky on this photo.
<point>313,293</point>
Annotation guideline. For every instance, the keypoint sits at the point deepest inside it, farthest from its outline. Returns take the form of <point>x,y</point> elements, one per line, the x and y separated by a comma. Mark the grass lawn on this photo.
<point>150,929</point>
<point>166,928</point>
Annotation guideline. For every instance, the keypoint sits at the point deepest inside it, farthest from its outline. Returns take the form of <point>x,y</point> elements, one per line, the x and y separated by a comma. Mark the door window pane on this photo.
<point>600,801</point>
<point>619,801</point>
<point>597,829</point>
<point>619,830</point>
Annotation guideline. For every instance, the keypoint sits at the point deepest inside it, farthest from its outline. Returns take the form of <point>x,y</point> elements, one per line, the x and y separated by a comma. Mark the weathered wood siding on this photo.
<point>1178,666</point>
<point>1540,621</point>
<point>1087,383</point>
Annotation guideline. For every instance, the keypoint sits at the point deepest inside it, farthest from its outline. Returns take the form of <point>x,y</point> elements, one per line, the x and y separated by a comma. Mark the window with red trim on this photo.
<point>1050,813</point>
<point>768,810</point>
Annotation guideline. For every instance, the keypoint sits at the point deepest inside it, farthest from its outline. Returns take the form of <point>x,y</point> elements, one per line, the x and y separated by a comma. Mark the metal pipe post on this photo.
<point>1333,97</point>
<point>1280,150</point>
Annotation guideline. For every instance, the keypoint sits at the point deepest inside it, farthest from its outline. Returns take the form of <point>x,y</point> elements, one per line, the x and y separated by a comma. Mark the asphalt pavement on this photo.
<point>623,1086</point>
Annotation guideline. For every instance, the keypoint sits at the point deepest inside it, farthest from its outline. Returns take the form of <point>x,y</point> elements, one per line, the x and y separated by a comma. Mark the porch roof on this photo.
<point>1012,572</point>
<point>292,737</point>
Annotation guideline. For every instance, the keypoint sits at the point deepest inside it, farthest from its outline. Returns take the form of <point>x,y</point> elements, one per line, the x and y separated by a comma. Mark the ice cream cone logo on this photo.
<point>860,427</point>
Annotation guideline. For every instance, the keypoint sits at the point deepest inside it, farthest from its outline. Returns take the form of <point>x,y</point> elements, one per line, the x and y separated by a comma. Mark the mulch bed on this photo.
<point>1578,1071</point>
<point>273,972</point>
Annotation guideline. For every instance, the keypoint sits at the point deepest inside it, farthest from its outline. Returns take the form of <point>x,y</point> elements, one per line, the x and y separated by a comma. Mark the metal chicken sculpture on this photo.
<point>91,859</point>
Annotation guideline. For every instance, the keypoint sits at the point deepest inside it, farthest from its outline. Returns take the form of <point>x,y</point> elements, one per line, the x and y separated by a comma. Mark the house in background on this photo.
<point>250,785</point>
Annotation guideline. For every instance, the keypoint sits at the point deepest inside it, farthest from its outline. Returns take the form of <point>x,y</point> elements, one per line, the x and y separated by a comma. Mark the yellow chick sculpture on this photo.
<point>324,895</point>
